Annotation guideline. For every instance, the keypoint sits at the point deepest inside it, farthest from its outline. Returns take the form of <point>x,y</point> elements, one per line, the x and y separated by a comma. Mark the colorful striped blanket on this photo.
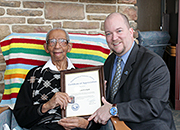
<point>23,51</point>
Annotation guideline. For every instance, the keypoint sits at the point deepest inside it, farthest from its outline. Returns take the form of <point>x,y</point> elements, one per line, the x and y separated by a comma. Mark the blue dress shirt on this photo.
<point>123,62</point>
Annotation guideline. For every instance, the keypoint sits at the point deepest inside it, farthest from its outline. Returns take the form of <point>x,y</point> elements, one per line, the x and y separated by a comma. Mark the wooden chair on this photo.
<point>119,125</point>
<point>2,109</point>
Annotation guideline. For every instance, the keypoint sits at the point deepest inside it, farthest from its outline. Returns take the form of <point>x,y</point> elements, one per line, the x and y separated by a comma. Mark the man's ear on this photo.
<point>69,47</point>
<point>46,47</point>
<point>131,31</point>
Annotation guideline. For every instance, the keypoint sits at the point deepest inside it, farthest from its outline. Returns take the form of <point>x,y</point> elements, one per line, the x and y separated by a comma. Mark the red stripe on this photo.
<point>41,42</point>
<point>87,34</point>
<point>25,61</point>
<point>37,63</point>
<point>83,65</point>
<point>9,96</point>
<point>91,47</point>
<point>21,40</point>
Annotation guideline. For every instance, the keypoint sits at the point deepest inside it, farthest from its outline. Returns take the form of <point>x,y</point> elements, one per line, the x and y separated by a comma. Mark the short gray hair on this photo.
<point>58,28</point>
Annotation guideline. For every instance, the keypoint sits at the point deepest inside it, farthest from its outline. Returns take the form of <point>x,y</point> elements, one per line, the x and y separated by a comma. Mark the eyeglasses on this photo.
<point>52,42</point>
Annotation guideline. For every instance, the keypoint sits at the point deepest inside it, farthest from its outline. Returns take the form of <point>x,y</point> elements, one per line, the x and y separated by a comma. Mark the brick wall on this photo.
<point>80,16</point>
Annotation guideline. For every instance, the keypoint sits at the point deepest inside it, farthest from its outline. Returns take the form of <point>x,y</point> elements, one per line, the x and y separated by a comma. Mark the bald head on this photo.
<point>114,15</point>
<point>119,34</point>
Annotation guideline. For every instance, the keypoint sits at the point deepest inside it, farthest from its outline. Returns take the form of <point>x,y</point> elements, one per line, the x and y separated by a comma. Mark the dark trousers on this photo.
<point>50,126</point>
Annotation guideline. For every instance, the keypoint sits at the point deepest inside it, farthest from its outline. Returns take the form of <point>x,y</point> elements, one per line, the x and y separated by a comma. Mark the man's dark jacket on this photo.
<point>142,97</point>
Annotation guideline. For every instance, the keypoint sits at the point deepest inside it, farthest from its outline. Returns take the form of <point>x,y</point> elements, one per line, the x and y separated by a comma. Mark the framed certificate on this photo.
<point>85,86</point>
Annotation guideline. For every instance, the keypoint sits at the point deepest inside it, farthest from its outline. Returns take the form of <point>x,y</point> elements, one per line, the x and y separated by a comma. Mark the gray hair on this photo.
<point>58,28</point>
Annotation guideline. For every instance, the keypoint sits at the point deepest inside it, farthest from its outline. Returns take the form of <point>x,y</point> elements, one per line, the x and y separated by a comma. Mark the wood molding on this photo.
<point>177,81</point>
<point>119,125</point>
<point>3,109</point>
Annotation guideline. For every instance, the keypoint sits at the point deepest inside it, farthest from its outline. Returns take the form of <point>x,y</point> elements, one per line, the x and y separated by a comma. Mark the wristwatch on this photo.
<point>114,111</point>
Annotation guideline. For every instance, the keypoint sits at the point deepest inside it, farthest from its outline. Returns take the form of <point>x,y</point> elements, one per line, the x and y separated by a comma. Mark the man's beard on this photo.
<point>119,53</point>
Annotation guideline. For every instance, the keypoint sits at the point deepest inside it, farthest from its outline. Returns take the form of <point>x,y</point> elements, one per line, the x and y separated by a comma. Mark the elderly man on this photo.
<point>138,81</point>
<point>39,102</point>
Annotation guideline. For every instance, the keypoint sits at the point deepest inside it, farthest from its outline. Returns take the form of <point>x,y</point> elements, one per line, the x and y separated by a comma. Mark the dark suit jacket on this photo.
<point>142,97</point>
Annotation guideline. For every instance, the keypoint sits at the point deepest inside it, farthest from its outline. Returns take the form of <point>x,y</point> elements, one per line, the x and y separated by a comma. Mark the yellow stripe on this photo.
<point>23,45</point>
<point>12,90</point>
<point>5,48</point>
<point>27,45</point>
<point>91,52</point>
<point>16,71</point>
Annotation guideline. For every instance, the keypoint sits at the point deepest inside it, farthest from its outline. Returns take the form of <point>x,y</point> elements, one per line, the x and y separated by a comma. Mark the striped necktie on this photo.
<point>116,79</point>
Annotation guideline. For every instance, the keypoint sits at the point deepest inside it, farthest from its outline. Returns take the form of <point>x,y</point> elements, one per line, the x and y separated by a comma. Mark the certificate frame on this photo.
<point>65,74</point>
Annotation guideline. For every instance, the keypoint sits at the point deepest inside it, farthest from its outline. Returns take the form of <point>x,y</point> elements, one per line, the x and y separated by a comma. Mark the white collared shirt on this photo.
<point>50,65</point>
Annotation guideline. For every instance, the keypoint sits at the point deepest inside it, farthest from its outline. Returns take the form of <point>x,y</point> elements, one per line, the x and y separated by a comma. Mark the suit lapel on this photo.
<point>111,62</point>
<point>127,69</point>
<point>128,66</point>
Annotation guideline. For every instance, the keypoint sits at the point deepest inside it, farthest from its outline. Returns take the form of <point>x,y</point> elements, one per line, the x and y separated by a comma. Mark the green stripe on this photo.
<point>5,53</point>
<point>86,56</point>
<point>26,51</point>
<point>13,85</point>
<point>43,53</point>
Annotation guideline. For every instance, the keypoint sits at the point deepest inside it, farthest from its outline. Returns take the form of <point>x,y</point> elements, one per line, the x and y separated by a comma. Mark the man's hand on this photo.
<point>102,114</point>
<point>73,122</point>
<point>59,99</point>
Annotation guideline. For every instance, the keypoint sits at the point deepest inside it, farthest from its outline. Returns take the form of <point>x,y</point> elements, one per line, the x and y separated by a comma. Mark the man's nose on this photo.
<point>57,45</point>
<point>114,36</point>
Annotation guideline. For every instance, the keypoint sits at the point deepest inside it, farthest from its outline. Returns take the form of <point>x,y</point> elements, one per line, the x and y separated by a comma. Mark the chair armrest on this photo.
<point>119,125</point>
<point>5,117</point>
<point>3,109</point>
